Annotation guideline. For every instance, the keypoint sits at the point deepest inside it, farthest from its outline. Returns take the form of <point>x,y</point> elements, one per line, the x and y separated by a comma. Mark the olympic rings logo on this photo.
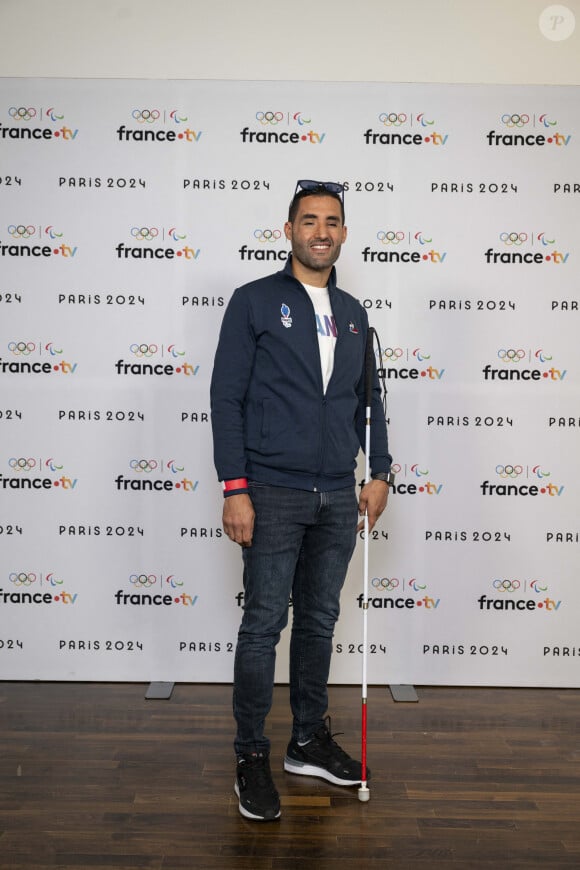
<point>22,114</point>
<point>22,579</point>
<point>387,583</point>
<point>506,585</point>
<point>146,465</point>
<point>515,120</point>
<point>509,470</point>
<point>393,353</point>
<point>513,238</point>
<point>144,580</point>
<point>141,350</point>
<point>267,235</point>
<point>396,468</point>
<point>392,119</point>
<point>390,237</point>
<point>146,116</point>
<point>142,233</point>
<point>22,464</point>
<point>511,355</point>
<point>269,117</point>
<point>21,348</point>
<point>20,231</point>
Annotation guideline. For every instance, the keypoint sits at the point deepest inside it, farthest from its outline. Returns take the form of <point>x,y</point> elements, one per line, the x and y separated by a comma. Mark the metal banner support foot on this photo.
<point>404,693</point>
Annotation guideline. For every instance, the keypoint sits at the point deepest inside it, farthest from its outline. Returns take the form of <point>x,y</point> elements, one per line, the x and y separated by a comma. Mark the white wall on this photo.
<point>366,40</point>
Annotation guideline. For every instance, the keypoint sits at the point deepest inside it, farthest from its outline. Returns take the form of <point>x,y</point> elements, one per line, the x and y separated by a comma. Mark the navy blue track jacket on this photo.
<point>271,420</point>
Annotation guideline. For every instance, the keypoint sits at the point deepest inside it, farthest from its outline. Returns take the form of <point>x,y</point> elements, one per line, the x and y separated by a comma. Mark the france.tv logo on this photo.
<point>38,242</point>
<point>155,475</point>
<point>518,364</point>
<point>156,243</point>
<point>518,129</point>
<point>36,357</point>
<point>402,128</point>
<point>282,127</point>
<point>158,125</point>
<point>24,121</point>
<point>406,364</point>
<point>403,246</point>
<point>520,247</point>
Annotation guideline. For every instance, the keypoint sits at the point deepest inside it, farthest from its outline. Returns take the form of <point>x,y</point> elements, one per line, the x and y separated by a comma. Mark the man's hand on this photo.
<point>373,501</point>
<point>238,519</point>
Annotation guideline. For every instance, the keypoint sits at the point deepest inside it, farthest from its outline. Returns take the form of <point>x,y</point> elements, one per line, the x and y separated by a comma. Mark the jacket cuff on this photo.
<point>235,487</point>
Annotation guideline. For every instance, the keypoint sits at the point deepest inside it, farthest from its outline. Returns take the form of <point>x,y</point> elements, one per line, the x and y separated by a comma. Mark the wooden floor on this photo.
<point>95,776</point>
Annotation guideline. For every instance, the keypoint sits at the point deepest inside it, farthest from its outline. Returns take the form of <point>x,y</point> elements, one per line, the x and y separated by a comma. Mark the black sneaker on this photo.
<point>323,757</point>
<point>259,799</point>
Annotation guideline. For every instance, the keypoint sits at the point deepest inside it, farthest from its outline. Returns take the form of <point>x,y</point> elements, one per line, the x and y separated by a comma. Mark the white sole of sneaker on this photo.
<point>299,767</point>
<point>247,814</point>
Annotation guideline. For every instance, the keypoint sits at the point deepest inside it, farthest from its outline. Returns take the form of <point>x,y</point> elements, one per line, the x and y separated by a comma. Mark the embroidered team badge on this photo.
<point>352,328</point>
<point>286,320</point>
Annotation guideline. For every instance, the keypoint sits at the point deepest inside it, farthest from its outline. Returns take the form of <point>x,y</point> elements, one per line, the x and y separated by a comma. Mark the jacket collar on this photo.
<point>287,272</point>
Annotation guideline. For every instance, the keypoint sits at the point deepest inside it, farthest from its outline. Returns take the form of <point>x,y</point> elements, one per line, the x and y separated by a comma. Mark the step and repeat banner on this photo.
<point>129,212</point>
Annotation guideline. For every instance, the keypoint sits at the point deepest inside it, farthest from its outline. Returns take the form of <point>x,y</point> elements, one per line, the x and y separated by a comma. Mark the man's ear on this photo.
<point>288,230</point>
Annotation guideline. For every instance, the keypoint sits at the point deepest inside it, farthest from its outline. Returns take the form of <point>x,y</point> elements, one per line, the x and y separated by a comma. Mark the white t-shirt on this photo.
<point>326,328</point>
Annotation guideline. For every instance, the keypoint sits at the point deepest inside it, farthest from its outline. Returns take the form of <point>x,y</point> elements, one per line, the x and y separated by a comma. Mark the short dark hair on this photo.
<point>319,191</point>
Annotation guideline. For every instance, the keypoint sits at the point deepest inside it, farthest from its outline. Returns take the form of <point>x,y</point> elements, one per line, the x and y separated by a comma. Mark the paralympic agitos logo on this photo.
<point>24,124</point>
<point>521,480</point>
<point>273,127</point>
<point>36,358</point>
<point>155,243</point>
<point>402,246</point>
<point>401,128</point>
<point>158,125</point>
<point>38,242</point>
<point>519,247</point>
<point>517,127</point>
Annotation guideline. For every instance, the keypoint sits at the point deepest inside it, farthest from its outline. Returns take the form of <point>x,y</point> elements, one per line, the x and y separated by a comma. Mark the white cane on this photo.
<point>363,792</point>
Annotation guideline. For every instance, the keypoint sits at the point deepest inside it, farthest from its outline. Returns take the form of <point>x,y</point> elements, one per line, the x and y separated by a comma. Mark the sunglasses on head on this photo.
<point>318,186</point>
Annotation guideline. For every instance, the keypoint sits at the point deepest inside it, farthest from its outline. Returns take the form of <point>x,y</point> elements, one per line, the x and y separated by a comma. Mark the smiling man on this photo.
<point>288,419</point>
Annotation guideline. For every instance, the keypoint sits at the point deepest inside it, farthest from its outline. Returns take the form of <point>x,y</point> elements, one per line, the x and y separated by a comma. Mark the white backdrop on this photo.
<point>129,211</point>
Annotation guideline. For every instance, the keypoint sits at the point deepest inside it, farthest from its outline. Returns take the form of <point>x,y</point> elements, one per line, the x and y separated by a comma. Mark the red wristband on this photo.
<point>238,483</point>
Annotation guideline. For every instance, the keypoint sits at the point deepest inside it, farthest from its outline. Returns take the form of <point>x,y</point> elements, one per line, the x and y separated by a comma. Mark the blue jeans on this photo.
<point>302,545</point>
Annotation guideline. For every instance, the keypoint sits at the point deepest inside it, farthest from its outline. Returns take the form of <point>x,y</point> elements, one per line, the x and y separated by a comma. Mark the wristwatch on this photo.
<point>383,475</point>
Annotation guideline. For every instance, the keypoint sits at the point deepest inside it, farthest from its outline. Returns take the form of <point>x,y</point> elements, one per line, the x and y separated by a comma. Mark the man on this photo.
<point>288,417</point>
